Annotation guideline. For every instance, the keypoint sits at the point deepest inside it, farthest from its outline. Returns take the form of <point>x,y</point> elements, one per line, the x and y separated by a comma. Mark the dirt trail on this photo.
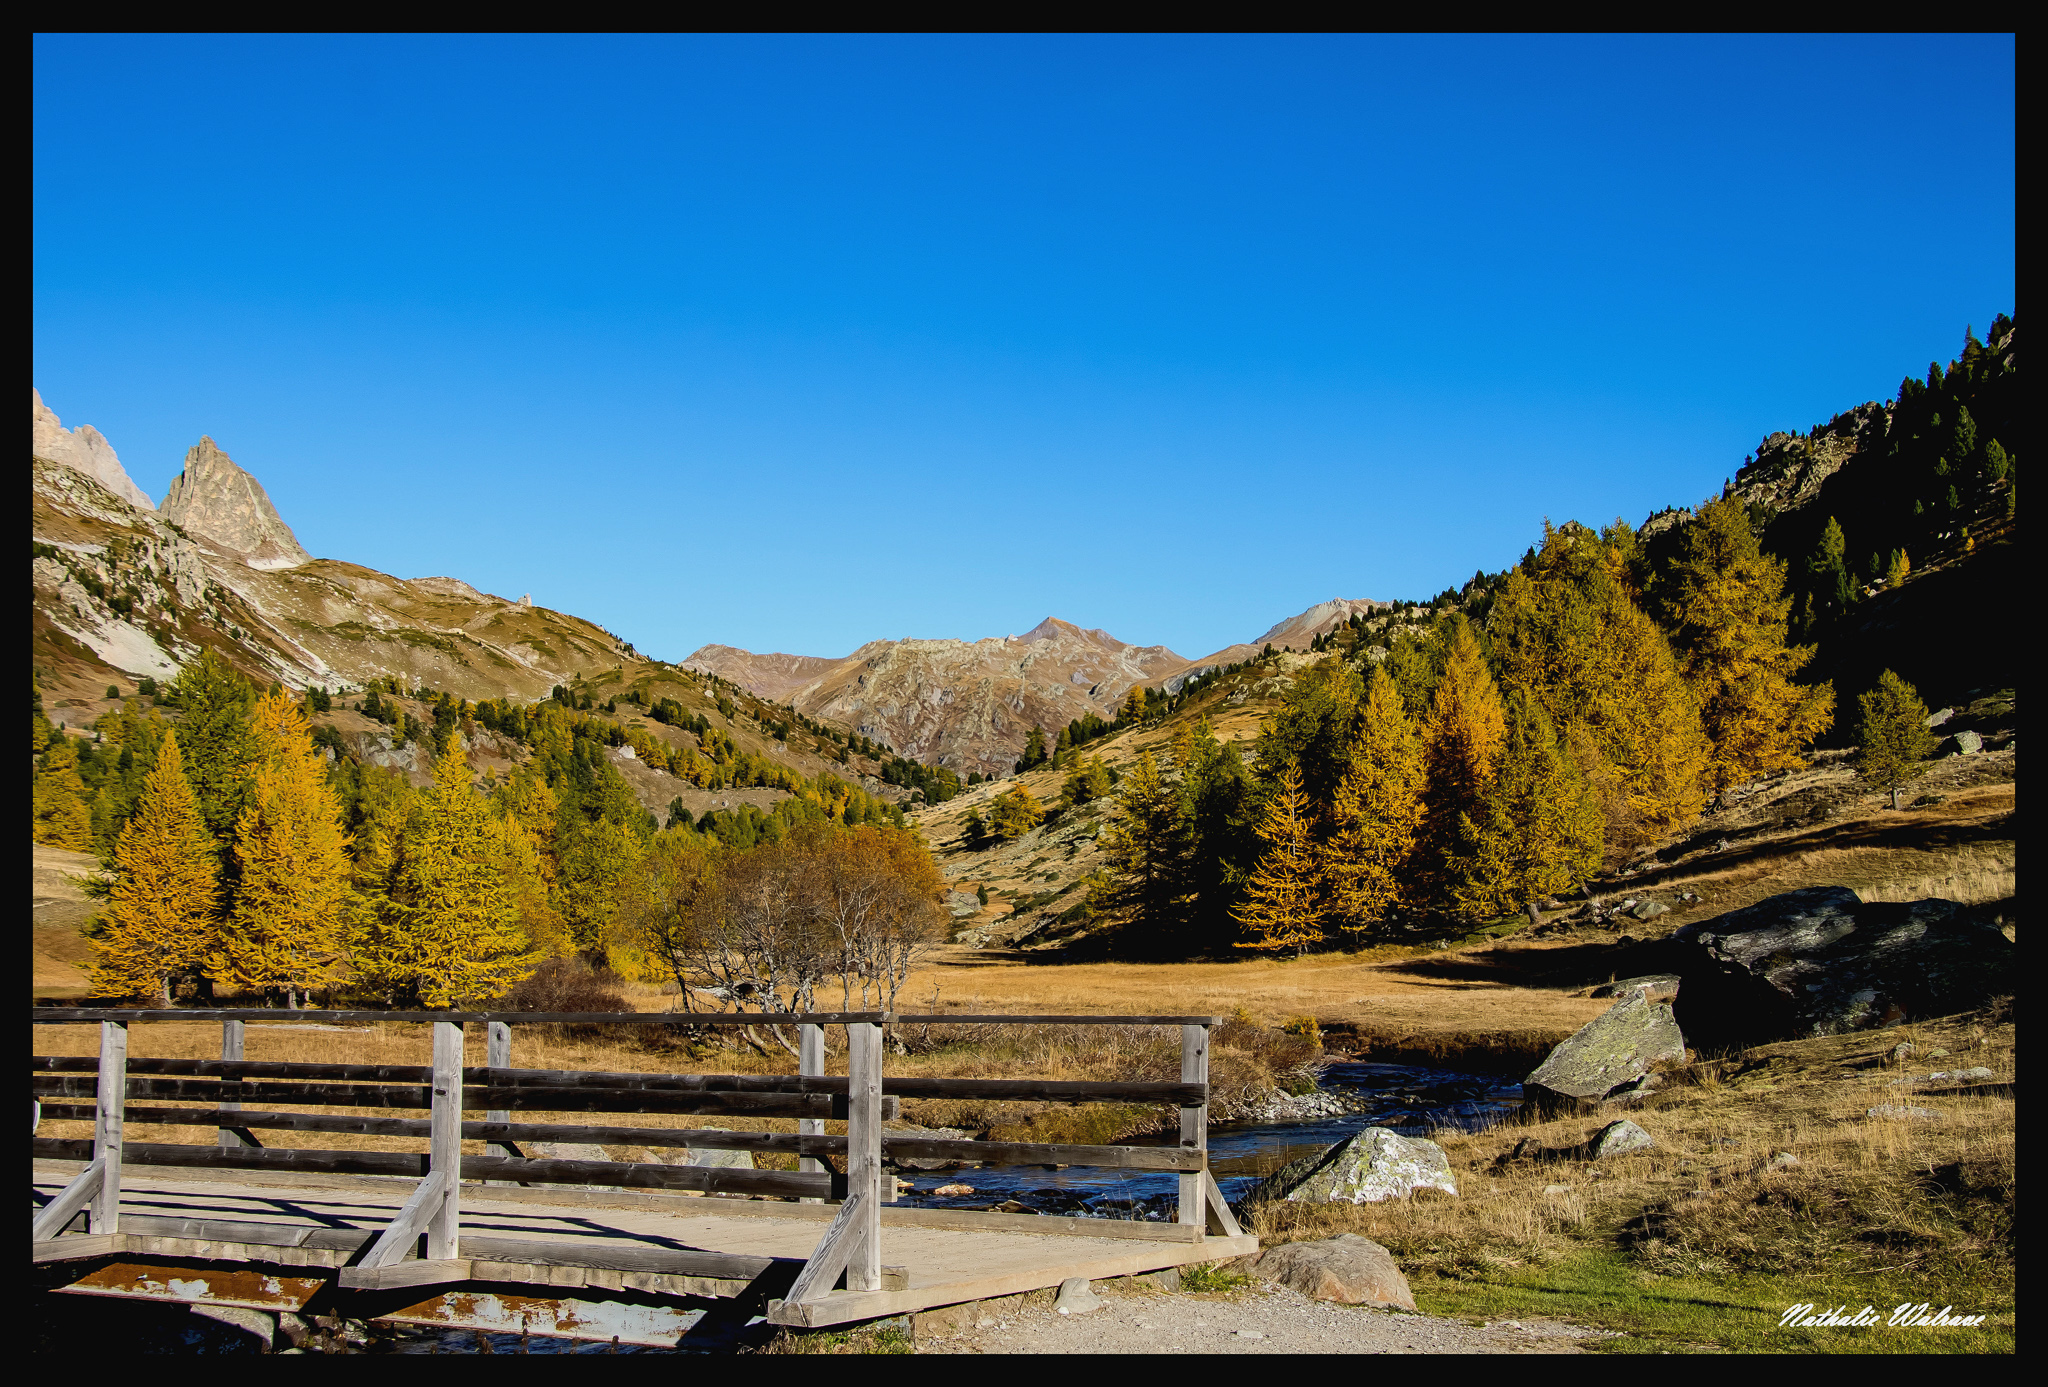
<point>1252,1319</point>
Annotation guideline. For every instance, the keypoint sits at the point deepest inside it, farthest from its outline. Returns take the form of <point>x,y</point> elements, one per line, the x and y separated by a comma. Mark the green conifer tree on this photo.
<point>1893,734</point>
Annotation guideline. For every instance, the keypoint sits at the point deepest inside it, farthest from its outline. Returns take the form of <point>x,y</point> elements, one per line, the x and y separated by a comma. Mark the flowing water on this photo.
<point>1408,1099</point>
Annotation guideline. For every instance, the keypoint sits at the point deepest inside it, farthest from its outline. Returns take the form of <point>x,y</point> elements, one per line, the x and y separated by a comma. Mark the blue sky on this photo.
<point>796,343</point>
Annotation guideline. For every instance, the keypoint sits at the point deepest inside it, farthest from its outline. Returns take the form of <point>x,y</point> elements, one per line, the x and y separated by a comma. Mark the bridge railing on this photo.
<point>240,1094</point>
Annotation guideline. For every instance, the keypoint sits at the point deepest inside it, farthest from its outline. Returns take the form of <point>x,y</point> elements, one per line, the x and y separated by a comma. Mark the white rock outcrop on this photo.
<point>85,449</point>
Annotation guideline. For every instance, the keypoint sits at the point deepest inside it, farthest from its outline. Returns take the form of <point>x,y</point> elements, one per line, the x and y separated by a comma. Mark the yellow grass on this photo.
<point>1916,1206</point>
<point>1348,987</point>
<point>1973,875</point>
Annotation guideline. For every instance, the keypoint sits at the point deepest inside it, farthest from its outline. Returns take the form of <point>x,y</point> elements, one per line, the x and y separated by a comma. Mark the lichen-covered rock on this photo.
<point>1618,1139</point>
<point>1821,961</point>
<point>1347,1269</point>
<point>1372,1166</point>
<point>1608,1053</point>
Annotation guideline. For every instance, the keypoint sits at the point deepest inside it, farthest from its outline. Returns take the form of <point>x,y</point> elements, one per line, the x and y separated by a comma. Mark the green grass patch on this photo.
<point>1603,1289</point>
<point>1211,1276</point>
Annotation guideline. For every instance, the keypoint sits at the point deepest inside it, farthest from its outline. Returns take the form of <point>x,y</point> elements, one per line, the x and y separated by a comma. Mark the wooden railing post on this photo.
<point>1194,1122</point>
<point>864,1152</point>
<point>498,1055</point>
<point>230,1049</point>
<point>108,1117</point>
<point>810,1045</point>
<point>444,1226</point>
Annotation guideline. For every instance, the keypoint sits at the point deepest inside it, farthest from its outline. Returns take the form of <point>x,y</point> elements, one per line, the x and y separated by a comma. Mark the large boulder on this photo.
<point>1347,1269</point>
<point>1374,1165</point>
<point>1607,1054</point>
<point>1823,962</point>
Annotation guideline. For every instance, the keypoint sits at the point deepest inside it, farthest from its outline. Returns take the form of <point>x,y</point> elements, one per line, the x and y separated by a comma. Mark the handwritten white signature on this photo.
<point>1921,1316</point>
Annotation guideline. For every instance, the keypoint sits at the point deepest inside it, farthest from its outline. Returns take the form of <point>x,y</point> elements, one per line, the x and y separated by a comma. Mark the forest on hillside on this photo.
<point>245,856</point>
<point>1541,723</point>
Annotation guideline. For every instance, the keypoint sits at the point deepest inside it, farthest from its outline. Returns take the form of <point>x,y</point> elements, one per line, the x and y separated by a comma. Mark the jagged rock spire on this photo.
<point>218,500</point>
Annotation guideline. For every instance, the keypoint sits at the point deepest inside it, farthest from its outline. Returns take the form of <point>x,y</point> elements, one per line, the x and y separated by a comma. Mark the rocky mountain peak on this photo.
<point>214,498</point>
<point>84,449</point>
<point>1296,632</point>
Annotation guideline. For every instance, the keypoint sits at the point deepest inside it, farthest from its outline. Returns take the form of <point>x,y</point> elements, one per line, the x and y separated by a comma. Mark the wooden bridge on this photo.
<point>492,1242</point>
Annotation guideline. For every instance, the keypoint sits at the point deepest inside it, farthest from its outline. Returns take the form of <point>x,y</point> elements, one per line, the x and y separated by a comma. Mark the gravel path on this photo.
<point>1253,1319</point>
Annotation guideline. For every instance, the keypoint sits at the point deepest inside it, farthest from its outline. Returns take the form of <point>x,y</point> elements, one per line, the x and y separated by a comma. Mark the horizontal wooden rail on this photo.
<point>73,1015</point>
<point>1055,1090</point>
<point>1044,1153</point>
<point>475,1076</point>
<point>1027,1019</point>
<point>621,1174</point>
<point>650,1099</point>
<point>995,1153</point>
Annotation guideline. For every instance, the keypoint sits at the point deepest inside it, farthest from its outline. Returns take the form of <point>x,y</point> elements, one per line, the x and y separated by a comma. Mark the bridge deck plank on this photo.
<point>991,1255</point>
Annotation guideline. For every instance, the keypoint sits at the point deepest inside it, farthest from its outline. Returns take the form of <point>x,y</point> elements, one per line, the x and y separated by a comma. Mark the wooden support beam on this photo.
<point>111,1096</point>
<point>810,1044</point>
<point>670,1261</point>
<point>1194,1121</point>
<point>834,1250</point>
<point>403,1232</point>
<point>427,1271</point>
<point>864,1153</point>
<point>54,1217</point>
<point>1220,1221</point>
<point>444,1222</point>
<point>231,1050</point>
<point>78,1247</point>
<point>498,1055</point>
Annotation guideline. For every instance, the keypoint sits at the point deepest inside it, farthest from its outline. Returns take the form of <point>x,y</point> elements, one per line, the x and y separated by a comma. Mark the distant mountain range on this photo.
<point>969,705</point>
<point>124,587</point>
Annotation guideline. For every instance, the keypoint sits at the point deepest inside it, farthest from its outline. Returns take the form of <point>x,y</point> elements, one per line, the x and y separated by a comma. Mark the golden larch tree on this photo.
<point>63,818</point>
<point>1376,812</point>
<point>1460,743</point>
<point>289,927</point>
<point>162,918</point>
<point>1281,906</point>
<point>1538,828</point>
<point>1728,604</point>
<point>1568,630</point>
<point>445,934</point>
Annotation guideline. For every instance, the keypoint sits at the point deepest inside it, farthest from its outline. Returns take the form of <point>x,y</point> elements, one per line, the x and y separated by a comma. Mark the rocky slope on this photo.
<point>120,587</point>
<point>966,705</point>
